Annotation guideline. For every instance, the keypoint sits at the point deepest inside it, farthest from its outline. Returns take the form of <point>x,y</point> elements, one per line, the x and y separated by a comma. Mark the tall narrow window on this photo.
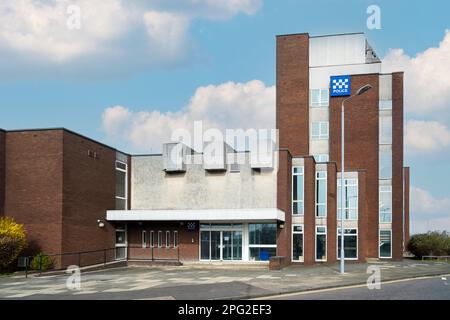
<point>350,244</point>
<point>167,239</point>
<point>152,239</point>
<point>144,239</point>
<point>321,194</point>
<point>385,162</point>
<point>385,243</point>
<point>160,235</point>
<point>321,243</point>
<point>297,243</point>
<point>175,239</point>
<point>319,130</point>
<point>121,186</point>
<point>319,98</point>
<point>297,191</point>
<point>351,199</point>
<point>385,204</point>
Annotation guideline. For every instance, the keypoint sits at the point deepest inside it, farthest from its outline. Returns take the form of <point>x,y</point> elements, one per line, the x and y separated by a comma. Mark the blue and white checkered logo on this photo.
<point>340,86</point>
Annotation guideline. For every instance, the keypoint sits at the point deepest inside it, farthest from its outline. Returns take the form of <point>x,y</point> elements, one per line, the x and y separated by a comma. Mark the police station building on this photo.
<point>75,194</point>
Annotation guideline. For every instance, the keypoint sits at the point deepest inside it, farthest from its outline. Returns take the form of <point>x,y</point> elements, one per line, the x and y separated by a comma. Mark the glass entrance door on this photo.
<point>215,245</point>
<point>221,245</point>
<point>227,249</point>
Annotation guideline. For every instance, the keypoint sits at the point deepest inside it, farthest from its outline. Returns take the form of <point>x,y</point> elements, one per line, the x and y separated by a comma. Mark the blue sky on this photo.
<point>69,79</point>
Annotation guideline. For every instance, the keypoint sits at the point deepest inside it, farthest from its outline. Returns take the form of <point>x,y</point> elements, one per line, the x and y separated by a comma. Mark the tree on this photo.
<point>12,241</point>
<point>430,244</point>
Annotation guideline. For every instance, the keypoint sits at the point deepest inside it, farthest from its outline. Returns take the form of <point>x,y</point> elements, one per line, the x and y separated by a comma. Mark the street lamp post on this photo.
<point>360,91</point>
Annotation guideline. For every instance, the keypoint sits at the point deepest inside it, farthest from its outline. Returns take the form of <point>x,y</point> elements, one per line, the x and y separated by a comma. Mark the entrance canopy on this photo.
<point>216,215</point>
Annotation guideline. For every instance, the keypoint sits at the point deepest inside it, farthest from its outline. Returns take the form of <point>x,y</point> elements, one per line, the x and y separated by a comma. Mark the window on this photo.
<point>319,130</point>
<point>321,243</point>
<point>350,244</point>
<point>167,239</point>
<point>385,162</point>
<point>159,239</point>
<point>144,239</point>
<point>385,104</point>
<point>321,158</point>
<point>385,204</point>
<point>121,186</point>
<point>321,194</point>
<point>263,241</point>
<point>297,191</point>
<point>152,239</point>
<point>385,129</point>
<point>297,243</point>
<point>319,98</point>
<point>385,243</point>
<point>175,239</point>
<point>121,242</point>
<point>351,199</point>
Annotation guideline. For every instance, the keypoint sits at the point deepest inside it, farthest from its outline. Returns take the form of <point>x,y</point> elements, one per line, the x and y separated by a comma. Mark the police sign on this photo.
<point>340,86</point>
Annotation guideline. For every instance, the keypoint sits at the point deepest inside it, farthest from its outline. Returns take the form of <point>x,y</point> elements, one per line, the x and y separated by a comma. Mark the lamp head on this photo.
<point>363,89</point>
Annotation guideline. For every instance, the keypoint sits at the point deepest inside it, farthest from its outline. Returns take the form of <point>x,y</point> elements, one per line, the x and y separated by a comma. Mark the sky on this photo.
<point>132,71</point>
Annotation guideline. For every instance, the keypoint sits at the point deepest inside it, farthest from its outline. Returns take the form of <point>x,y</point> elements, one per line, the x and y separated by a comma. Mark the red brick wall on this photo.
<point>361,144</point>
<point>293,93</point>
<point>284,187</point>
<point>406,176</point>
<point>363,221</point>
<point>2,171</point>
<point>397,166</point>
<point>89,190</point>
<point>34,179</point>
<point>332,212</point>
<point>189,241</point>
<point>310,211</point>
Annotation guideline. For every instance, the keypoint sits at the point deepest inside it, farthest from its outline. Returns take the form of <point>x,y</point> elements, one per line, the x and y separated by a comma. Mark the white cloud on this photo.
<point>426,136</point>
<point>428,213</point>
<point>226,106</point>
<point>167,32</point>
<point>114,34</point>
<point>427,76</point>
<point>40,28</point>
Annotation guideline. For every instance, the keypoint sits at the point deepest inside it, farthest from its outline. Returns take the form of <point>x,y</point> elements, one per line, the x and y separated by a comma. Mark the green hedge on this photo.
<point>430,244</point>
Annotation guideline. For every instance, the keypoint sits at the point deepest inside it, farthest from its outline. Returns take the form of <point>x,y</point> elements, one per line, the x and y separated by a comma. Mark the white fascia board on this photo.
<point>258,214</point>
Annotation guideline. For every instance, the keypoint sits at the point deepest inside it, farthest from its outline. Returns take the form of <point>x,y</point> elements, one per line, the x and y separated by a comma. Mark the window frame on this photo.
<point>317,203</point>
<point>144,239</point>
<point>319,158</point>
<point>325,233</point>
<point>321,135</point>
<point>301,258</point>
<point>294,175</point>
<point>176,239</point>
<point>347,209</point>
<point>152,239</point>
<point>168,239</point>
<point>379,207</point>
<point>260,246</point>
<point>321,103</point>
<point>379,243</point>
<point>126,182</point>
<point>160,243</point>
<point>349,235</point>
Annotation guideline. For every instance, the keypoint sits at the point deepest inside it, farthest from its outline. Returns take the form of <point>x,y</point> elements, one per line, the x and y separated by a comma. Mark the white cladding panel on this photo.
<point>337,50</point>
<point>319,78</point>
<point>154,189</point>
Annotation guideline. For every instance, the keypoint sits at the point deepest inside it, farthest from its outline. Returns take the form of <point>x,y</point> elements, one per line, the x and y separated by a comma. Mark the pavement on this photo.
<point>205,282</point>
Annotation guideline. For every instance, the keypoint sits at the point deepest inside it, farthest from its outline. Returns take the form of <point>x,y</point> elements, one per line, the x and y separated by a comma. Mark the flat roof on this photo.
<point>66,130</point>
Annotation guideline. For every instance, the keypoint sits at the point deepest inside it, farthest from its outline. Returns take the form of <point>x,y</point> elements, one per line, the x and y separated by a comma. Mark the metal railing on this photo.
<point>438,258</point>
<point>57,262</point>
